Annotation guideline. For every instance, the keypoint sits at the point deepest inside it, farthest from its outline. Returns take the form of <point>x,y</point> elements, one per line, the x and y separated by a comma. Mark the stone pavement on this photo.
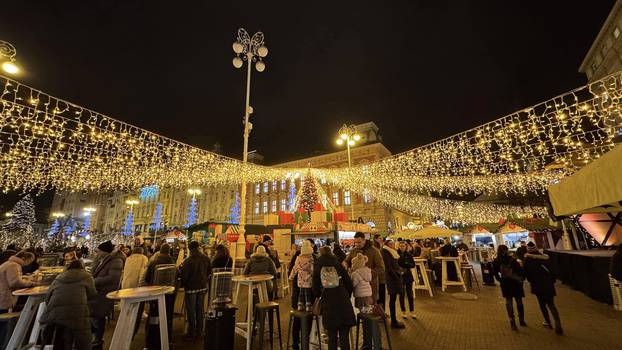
<point>447,323</point>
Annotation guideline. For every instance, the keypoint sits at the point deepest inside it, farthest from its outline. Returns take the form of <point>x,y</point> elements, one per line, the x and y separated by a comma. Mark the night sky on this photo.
<point>421,70</point>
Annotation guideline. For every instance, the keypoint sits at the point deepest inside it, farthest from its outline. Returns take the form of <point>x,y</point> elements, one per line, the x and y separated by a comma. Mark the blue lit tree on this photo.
<point>87,222</point>
<point>192,213</point>
<point>291,196</point>
<point>157,217</point>
<point>55,228</point>
<point>128,227</point>
<point>234,214</point>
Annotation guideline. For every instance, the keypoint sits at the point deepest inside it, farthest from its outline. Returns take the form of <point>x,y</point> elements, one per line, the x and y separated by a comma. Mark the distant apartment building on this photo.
<point>605,55</point>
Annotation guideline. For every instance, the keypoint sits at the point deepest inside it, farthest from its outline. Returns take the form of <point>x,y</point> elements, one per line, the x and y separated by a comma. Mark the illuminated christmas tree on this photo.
<point>18,228</point>
<point>192,213</point>
<point>234,214</point>
<point>128,227</point>
<point>308,197</point>
<point>55,228</point>
<point>157,218</point>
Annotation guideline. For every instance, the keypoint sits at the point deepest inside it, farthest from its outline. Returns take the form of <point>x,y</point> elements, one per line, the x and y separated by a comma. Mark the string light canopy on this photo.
<point>46,142</point>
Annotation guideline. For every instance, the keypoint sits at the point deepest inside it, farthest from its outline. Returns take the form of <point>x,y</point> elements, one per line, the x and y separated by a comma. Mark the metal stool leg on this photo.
<point>319,333</point>
<point>271,327</point>
<point>251,331</point>
<point>386,331</point>
<point>289,330</point>
<point>260,331</point>
<point>356,341</point>
<point>278,322</point>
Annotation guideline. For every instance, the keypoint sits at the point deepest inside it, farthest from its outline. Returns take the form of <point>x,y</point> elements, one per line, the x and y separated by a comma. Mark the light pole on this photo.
<point>7,54</point>
<point>249,49</point>
<point>348,135</point>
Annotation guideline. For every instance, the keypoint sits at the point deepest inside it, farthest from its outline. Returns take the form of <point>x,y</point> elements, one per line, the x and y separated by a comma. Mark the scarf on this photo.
<point>393,252</point>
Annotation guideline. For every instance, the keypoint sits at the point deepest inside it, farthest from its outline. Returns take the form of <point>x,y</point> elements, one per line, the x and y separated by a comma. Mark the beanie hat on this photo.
<point>306,249</point>
<point>531,247</point>
<point>165,249</point>
<point>106,247</point>
<point>359,261</point>
<point>260,250</point>
<point>193,245</point>
<point>267,238</point>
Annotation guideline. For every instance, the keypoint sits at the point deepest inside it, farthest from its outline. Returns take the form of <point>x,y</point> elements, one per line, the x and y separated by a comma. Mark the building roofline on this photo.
<point>369,145</point>
<point>601,34</point>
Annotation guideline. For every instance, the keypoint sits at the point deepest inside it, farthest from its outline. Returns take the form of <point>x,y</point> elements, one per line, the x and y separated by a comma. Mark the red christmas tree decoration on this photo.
<point>308,197</point>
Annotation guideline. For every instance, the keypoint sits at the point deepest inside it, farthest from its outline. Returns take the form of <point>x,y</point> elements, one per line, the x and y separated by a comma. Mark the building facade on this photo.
<point>605,55</point>
<point>216,203</point>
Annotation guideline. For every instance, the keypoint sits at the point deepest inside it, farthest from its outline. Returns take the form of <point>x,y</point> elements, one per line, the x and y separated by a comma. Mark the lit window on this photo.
<point>265,187</point>
<point>336,198</point>
<point>346,198</point>
<point>282,184</point>
<point>616,32</point>
<point>257,188</point>
<point>283,204</point>
<point>256,207</point>
<point>365,197</point>
<point>265,207</point>
<point>274,205</point>
<point>274,186</point>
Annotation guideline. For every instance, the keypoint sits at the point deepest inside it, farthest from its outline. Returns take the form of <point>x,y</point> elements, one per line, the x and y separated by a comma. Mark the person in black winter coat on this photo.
<point>222,259</point>
<point>337,311</point>
<point>509,273</point>
<point>542,281</point>
<point>195,273</point>
<point>393,279</point>
<point>407,262</point>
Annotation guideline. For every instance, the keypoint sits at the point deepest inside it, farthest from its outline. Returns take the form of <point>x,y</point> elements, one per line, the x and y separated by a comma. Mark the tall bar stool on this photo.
<point>468,272</point>
<point>424,283</point>
<point>263,310</point>
<point>361,317</point>
<point>284,278</point>
<point>306,318</point>
<point>445,280</point>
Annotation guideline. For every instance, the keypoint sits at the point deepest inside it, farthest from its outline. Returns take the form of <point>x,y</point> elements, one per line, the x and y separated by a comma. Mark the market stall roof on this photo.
<point>427,232</point>
<point>477,229</point>
<point>510,227</point>
<point>595,188</point>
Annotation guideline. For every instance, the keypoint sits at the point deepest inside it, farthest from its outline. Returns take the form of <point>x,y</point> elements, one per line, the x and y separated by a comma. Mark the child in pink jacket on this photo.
<point>304,268</point>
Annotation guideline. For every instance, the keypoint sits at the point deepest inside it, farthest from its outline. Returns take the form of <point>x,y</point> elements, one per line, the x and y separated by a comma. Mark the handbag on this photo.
<point>378,311</point>
<point>317,307</point>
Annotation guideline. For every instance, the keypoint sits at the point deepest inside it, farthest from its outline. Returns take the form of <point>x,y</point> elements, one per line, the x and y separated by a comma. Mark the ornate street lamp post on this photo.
<point>7,54</point>
<point>249,49</point>
<point>347,134</point>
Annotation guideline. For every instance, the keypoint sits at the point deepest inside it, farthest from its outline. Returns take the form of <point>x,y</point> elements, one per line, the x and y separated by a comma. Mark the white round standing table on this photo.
<point>34,305</point>
<point>131,299</point>
<point>252,282</point>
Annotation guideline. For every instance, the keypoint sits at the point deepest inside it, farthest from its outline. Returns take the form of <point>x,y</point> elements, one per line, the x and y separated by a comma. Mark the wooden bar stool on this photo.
<point>444,280</point>
<point>424,283</point>
<point>253,282</point>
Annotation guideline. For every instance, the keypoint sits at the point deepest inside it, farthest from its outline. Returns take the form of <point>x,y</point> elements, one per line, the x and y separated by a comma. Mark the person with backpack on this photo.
<point>332,284</point>
<point>509,273</point>
<point>303,273</point>
<point>542,283</point>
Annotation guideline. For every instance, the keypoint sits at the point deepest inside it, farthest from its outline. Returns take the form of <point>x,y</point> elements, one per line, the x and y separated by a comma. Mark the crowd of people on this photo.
<point>324,279</point>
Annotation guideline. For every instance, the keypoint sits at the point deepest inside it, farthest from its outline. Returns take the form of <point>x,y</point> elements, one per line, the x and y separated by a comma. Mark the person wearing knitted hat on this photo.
<point>303,268</point>
<point>261,264</point>
<point>361,281</point>
<point>542,281</point>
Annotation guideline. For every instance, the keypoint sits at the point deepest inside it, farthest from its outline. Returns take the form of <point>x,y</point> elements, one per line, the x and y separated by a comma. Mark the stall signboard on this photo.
<point>314,227</point>
<point>353,227</point>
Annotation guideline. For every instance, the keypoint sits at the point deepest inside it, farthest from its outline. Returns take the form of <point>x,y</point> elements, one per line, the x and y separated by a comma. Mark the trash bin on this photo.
<point>488,275</point>
<point>616,293</point>
<point>220,328</point>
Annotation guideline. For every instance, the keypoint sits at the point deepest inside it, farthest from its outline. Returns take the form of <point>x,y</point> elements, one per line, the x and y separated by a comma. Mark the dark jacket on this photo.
<point>107,275</point>
<point>159,259</point>
<point>5,255</point>
<point>448,250</point>
<point>520,252</point>
<point>539,274</point>
<point>393,273</point>
<point>260,265</point>
<point>67,300</point>
<point>336,305</point>
<point>510,287</point>
<point>374,262</point>
<point>195,271</point>
<point>416,251</point>
<point>220,262</point>
<point>407,262</point>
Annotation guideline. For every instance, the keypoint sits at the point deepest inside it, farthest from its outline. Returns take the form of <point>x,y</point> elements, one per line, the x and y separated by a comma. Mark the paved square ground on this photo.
<point>447,323</point>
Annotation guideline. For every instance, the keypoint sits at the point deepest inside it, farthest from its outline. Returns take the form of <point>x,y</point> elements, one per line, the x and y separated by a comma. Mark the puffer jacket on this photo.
<point>361,281</point>
<point>107,275</point>
<point>304,269</point>
<point>134,271</point>
<point>260,264</point>
<point>10,280</point>
<point>67,300</point>
<point>195,271</point>
<point>374,262</point>
<point>539,274</point>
